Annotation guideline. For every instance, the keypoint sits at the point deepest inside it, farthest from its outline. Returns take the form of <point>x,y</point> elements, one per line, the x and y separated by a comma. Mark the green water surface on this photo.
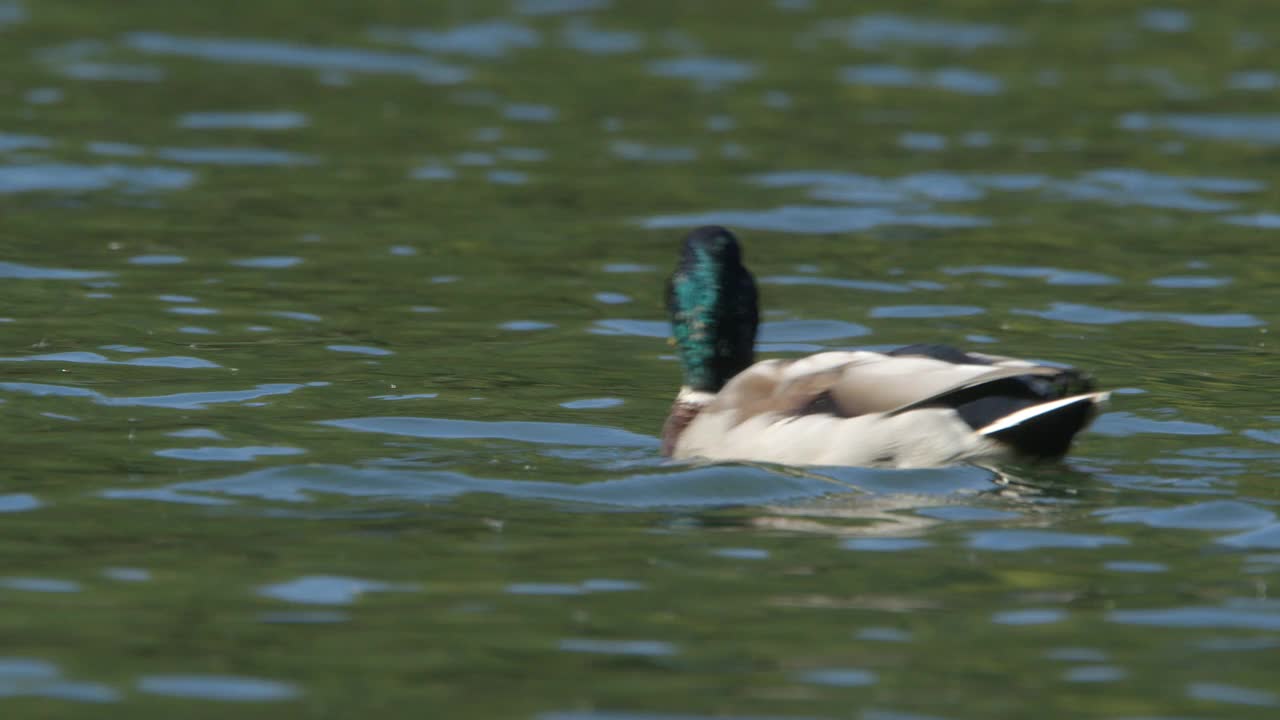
<point>332,357</point>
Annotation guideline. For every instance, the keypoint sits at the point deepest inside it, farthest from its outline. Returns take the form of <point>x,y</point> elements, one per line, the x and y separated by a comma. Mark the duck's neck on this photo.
<point>688,404</point>
<point>712,302</point>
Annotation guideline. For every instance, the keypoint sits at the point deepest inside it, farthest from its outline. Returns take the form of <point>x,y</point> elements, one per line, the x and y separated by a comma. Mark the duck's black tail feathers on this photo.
<point>1045,430</point>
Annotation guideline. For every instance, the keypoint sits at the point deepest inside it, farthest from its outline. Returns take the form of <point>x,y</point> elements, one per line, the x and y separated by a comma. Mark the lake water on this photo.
<point>334,355</point>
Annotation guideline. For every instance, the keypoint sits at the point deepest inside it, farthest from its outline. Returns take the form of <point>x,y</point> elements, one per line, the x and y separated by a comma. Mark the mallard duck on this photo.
<point>917,406</point>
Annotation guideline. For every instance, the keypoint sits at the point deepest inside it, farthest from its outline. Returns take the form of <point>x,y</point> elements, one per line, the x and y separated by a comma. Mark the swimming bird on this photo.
<point>917,406</point>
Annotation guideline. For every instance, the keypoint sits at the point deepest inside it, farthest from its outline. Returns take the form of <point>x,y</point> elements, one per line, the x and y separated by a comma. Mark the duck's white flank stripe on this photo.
<point>689,396</point>
<point>1017,418</point>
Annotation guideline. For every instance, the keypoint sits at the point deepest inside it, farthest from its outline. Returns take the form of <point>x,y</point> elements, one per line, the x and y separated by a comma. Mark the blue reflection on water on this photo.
<point>72,177</point>
<point>1051,275</point>
<point>953,79</point>
<point>579,34</point>
<point>234,156</point>
<point>226,688</point>
<point>709,73</point>
<point>814,219</point>
<point>228,454</point>
<point>882,30</point>
<point>29,677</point>
<point>93,358</point>
<point>558,7</point>
<point>1262,129</point>
<point>11,141</point>
<point>17,271</point>
<point>283,54</point>
<point>1092,315</point>
<point>262,120</point>
<point>641,648</point>
<point>1021,540</point>
<point>1211,515</point>
<point>491,39</point>
<point>329,589</point>
<point>176,401</point>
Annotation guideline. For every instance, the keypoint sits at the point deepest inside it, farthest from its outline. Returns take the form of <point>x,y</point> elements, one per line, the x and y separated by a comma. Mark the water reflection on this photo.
<point>708,73</point>
<point>1260,129</point>
<point>885,31</point>
<point>264,120</point>
<point>40,177</point>
<point>292,55</point>
<point>814,219</point>
<point>218,687</point>
<point>952,79</point>
<point>490,39</point>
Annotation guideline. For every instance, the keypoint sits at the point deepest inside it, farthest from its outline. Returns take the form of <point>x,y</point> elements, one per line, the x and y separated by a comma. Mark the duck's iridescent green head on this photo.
<point>711,298</point>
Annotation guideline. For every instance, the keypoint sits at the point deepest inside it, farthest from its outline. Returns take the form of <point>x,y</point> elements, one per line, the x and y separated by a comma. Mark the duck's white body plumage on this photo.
<point>866,408</point>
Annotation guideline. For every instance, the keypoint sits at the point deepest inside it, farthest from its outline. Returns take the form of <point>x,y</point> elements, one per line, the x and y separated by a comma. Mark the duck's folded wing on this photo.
<point>851,384</point>
<point>893,384</point>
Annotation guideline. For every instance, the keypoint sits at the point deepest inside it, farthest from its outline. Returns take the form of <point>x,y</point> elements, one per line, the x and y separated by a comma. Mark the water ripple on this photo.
<point>38,584</point>
<point>925,311</point>
<point>270,262</point>
<point>579,34</point>
<point>814,219</point>
<point>785,331</point>
<point>1261,129</point>
<point>631,150</point>
<point>1190,282</point>
<point>228,454</point>
<point>1200,617</point>
<point>953,79</point>
<point>884,30</point>
<point>67,176</point>
<point>329,589</point>
<point>275,120</point>
<point>19,502</point>
<point>839,677</point>
<point>16,271</point>
<point>11,141</point>
<point>1265,538</point>
<point>227,688</point>
<point>683,487</point>
<point>1051,275</point>
<point>28,677</point>
<point>12,13</point>
<point>641,648</point>
<point>559,7</point>
<point>93,358</point>
<point>1211,515</point>
<point>1029,616</point>
<point>1091,315</point>
<point>1020,540</point>
<point>872,285</point>
<point>1113,186</point>
<point>112,72</point>
<point>234,156</point>
<point>157,260</point>
<point>1232,694</point>
<point>491,39</point>
<point>1126,424</point>
<point>884,544</point>
<point>709,73</point>
<point>1165,20</point>
<point>282,54</point>
<point>176,401</point>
